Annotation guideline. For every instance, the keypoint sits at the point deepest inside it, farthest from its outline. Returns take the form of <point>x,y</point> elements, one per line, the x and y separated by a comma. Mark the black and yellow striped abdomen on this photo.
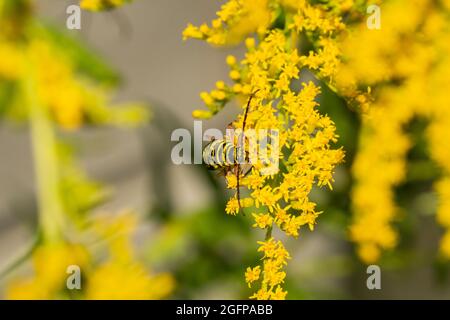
<point>219,154</point>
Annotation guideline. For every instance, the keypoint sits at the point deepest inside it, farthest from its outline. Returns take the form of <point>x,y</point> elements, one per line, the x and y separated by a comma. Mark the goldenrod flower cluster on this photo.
<point>98,5</point>
<point>43,82</point>
<point>120,276</point>
<point>274,259</point>
<point>71,100</point>
<point>407,61</point>
<point>269,72</point>
<point>72,97</point>
<point>50,263</point>
<point>235,20</point>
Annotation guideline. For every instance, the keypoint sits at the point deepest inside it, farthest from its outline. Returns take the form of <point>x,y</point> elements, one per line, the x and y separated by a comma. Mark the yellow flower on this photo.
<point>268,248</point>
<point>122,277</point>
<point>202,114</point>
<point>266,197</point>
<point>218,94</point>
<point>192,32</point>
<point>267,73</point>
<point>279,294</point>
<point>50,263</point>
<point>274,259</point>
<point>445,245</point>
<point>231,181</point>
<point>291,226</point>
<point>368,253</point>
<point>235,75</point>
<point>379,59</point>
<point>232,206</point>
<point>261,294</point>
<point>254,180</point>
<point>235,20</point>
<point>127,281</point>
<point>97,5</point>
<point>231,60</point>
<point>252,275</point>
<point>11,61</point>
<point>262,220</point>
<point>281,215</point>
<point>27,289</point>
<point>70,98</point>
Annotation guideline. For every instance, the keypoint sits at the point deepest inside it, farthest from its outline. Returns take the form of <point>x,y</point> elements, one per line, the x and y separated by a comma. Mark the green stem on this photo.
<point>45,163</point>
<point>269,232</point>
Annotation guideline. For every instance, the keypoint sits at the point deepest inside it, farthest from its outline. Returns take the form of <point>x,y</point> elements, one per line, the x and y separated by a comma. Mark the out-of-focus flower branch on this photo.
<point>52,83</point>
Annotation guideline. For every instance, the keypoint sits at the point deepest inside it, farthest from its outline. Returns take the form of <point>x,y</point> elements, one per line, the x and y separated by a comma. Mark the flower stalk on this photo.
<point>43,141</point>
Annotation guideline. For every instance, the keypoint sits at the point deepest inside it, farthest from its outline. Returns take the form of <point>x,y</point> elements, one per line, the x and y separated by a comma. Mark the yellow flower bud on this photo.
<point>250,43</point>
<point>218,94</point>
<point>220,85</point>
<point>235,75</point>
<point>201,114</point>
<point>207,99</point>
<point>204,28</point>
<point>231,60</point>
<point>216,23</point>
<point>237,88</point>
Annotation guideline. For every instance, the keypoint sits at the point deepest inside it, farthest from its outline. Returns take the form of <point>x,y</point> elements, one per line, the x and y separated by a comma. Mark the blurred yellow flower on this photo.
<point>410,74</point>
<point>114,280</point>
<point>50,262</point>
<point>27,289</point>
<point>122,276</point>
<point>97,5</point>
<point>11,61</point>
<point>53,87</point>
<point>274,259</point>
<point>234,21</point>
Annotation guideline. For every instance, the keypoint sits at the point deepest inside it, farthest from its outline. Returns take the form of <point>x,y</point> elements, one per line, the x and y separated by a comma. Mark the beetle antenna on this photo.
<point>241,144</point>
